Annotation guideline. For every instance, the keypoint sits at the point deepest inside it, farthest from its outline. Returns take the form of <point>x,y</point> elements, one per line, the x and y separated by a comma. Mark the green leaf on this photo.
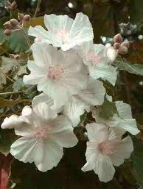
<point>3,37</point>
<point>8,64</point>
<point>107,109</point>
<point>137,158</point>
<point>18,85</point>
<point>7,137</point>
<point>136,11</point>
<point>17,42</point>
<point>131,68</point>
<point>2,3</point>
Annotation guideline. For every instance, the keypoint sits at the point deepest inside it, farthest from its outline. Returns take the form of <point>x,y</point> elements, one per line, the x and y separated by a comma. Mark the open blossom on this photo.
<point>93,95</point>
<point>43,135</point>
<point>122,119</point>
<point>105,149</point>
<point>58,74</point>
<point>98,58</point>
<point>63,31</point>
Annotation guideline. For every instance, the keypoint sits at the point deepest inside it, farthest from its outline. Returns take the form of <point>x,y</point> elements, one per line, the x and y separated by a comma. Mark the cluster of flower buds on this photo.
<point>119,45</point>
<point>14,24</point>
<point>24,18</point>
<point>14,56</point>
<point>10,6</point>
<point>10,26</point>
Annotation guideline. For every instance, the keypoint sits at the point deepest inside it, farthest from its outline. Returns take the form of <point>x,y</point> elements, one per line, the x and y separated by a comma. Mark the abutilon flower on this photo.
<point>63,31</point>
<point>98,61</point>
<point>56,73</point>
<point>122,120</point>
<point>105,149</point>
<point>93,95</point>
<point>43,134</point>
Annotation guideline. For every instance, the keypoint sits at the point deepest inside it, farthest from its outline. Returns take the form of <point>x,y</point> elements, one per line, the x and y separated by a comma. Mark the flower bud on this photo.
<point>111,54</point>
<point>13,22</point>
<point>8,5</point>
<point>116,46</point>
<point>7,32</point>
<point>20,16</point>
<point>125,44</point>
<point>7,25</point>
<point>117,38</point>
<point>13,5</point>
<point>26,18</point>
<point>123,50</point>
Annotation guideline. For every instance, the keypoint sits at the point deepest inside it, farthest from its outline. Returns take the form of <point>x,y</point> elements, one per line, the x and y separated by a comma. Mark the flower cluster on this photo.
<point>69,70</point>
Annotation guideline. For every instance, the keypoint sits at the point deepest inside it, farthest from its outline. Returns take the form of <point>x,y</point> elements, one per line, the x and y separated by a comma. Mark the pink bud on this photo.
<point>116,46</point>
<point>125,44</point>
<point>123,50</point>
<point>13,5</point>
<point>7,25</point>
<point>7,32</point>
<point>20,16</point>
<point>26,18</point>
<point>14,22</point>
<point>118,38</point>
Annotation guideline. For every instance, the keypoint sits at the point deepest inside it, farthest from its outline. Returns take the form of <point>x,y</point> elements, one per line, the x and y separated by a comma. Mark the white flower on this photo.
<point>93,95</point>
<point>98,58</point>
<point>63,31</point>
<point>58,74</point>
<point>43,136</point>
<point>105,149</point>
<point>122,119</point>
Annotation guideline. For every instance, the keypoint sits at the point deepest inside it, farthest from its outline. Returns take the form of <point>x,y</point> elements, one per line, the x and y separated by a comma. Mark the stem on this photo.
<point>37,8</point>
<point>9,93</point>
<point>7,76</point>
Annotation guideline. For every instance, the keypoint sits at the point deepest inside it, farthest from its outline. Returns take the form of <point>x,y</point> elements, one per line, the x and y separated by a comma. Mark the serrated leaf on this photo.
<point>3,37</point>
<point>18,85</point>
<point>107,109</point>
<point>131,68</point>
<point>17,42</point>
<point>8,64</point>
<point>137,158</point>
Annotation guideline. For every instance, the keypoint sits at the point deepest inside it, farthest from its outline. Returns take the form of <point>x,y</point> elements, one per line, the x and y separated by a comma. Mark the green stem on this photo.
<point>37,8</point>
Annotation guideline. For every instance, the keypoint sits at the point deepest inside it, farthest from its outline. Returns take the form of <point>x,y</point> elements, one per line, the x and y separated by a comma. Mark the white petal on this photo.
<point>38,32</point>
<point>65,138</point>
<point>81,31</point>
<point>122,151</point>
<point>73,110</point>
<point>54,22</point>
<point>93,94</point>
<point>97,132</point>
<point>105,72</point>
<point>104,168</point>
<point>46,154</point>
<point>10,123</point>
<point>43,112</point>
<point>42,98</point>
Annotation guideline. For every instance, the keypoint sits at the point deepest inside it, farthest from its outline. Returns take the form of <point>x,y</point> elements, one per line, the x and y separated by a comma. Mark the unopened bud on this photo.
<point>123,50</point>
<point>26,18</point>
<point>14,22</point>
<point>20,16</point>
<point>117,38</point>
<point>13,5</point>
<point>7,32</point>
<point>111,54</point>
<point>116,46</point>
<point>126,44</point>
<point>7,25</point>
<point>8,5</point>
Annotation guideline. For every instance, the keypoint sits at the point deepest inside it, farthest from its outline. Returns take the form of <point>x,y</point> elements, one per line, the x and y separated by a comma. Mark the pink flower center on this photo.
<point>107,146</point>
<point>62,34</point>
<point>55,72</point>
<point>38,39</point>
<point>42,132</point>
<point>93,58</point>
